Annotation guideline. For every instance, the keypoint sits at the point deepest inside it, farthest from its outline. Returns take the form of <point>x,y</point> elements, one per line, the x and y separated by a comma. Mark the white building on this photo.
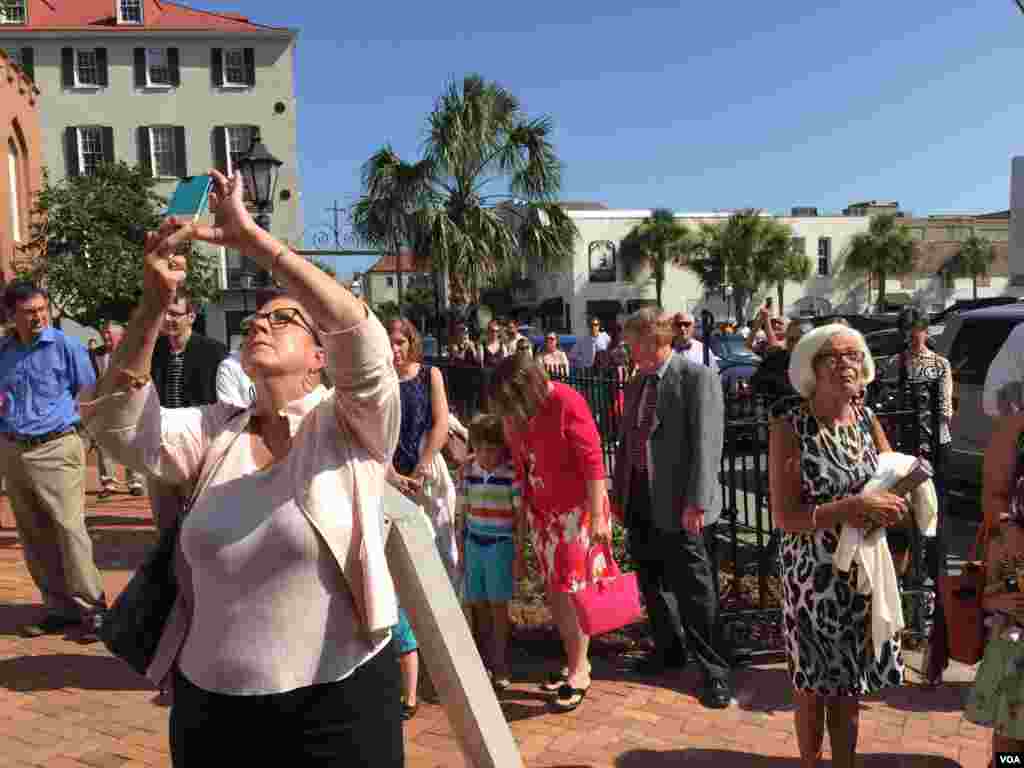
<point>597,284</point>
<point>177,89</point>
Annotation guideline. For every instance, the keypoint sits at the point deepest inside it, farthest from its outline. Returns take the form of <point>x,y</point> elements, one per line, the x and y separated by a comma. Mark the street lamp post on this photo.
<point>260,171</point>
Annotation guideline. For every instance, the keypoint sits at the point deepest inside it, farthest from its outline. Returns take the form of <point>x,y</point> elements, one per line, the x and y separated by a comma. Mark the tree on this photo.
<point>887,248</point>
<point>481,149</point>
<point>779,261</point>
<point>88,232</point>
<point>973,259</point>
<point>654,243</point>
<point>742,253</point>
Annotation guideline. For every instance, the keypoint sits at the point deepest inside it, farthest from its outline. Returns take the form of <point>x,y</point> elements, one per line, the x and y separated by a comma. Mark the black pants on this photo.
<point>354,722</point>
<point>677,578</point>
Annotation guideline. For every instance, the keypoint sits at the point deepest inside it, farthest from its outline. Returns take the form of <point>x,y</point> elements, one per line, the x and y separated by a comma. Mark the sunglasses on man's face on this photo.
<point>278,319</point>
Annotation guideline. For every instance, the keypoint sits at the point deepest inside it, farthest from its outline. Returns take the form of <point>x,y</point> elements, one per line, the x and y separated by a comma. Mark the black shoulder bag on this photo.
<point>132,628</point>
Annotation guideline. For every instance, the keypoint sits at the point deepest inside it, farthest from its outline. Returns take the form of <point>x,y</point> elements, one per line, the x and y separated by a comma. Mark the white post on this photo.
<point>446,644</point>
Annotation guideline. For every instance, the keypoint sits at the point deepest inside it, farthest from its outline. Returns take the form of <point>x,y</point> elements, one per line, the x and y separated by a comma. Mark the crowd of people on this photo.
<point>269,464</point>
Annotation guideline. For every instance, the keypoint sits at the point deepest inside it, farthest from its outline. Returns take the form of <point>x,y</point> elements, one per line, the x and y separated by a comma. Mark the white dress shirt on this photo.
<point>233,385</point>
<point>587,347</point>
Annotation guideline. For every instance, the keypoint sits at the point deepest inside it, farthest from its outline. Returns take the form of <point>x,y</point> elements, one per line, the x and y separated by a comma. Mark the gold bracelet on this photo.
<point>134,379</point>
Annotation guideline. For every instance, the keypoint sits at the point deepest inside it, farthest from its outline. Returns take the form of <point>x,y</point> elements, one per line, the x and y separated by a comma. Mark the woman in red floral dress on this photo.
<point>557,451</point>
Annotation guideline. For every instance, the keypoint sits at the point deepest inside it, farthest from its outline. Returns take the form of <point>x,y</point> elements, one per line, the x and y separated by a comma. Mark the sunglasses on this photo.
<point>684,323</point>
<point>278,319</point>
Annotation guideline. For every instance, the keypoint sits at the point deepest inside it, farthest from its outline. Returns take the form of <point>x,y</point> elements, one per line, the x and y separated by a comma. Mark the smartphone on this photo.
<point>190,198</point>
<point>919,472</point>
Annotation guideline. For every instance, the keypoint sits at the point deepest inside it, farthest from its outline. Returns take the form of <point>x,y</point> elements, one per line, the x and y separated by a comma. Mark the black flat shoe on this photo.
<point>716,694</point>
<point>409,710</point>
<point>569,698</point>
<point>555,681</point>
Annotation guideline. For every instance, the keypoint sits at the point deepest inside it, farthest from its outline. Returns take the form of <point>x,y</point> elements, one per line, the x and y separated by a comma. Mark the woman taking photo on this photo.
<point>279,641</point>
<point>493,348</point>
<point>423,433</point>
<point>822,450</point>
<point>557,452</point>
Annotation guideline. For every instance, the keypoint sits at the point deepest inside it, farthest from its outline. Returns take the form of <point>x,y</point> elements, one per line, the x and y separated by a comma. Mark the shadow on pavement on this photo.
<point>96,521</point>
<point>12,617</point>
<point>948,697</point>
<point>723,758</point>
<point>121,548</point>
<point>67,670</point>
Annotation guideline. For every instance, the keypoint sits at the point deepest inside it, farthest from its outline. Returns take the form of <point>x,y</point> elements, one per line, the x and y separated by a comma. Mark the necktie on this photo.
<point>644,422</point>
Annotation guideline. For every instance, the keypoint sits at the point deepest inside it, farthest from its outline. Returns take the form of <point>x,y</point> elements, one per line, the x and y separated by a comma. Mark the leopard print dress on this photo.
<point>826,623</point>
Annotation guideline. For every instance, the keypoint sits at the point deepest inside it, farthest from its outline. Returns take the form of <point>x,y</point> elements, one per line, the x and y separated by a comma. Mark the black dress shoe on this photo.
<point>51,625</point>
<point>91,626</point>
<point>716,694</point>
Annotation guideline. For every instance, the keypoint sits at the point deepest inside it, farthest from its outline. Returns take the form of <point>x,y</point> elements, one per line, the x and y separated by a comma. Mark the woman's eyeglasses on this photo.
<point>832,359</point>
<point>280,318</point>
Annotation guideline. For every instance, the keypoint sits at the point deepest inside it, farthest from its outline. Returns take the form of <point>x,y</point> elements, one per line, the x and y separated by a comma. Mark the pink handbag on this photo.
<point>608,602</point>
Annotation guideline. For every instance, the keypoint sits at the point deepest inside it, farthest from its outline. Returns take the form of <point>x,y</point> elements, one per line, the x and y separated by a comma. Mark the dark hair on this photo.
<point>518,387</point>
<point>911,318</point>
<point>486,429</point>
<point>408,329</point>
<point>21,290</point>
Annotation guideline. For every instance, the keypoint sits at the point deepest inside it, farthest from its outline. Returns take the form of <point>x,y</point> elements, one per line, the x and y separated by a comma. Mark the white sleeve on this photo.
<point>233,385</point>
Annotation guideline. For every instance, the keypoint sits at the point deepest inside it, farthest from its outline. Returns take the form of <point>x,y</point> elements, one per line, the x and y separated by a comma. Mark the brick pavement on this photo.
<point>65,705</point>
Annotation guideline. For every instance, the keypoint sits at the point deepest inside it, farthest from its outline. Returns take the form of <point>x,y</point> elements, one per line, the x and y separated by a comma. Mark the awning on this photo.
<point>604,307</point>
<point>634,305</point>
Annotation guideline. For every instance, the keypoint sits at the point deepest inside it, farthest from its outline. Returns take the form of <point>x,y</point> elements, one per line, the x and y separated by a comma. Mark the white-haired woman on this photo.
<point>822,451</point>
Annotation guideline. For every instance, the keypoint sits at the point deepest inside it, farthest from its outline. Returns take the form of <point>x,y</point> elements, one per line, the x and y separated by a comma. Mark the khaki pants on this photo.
<point>46,489</point>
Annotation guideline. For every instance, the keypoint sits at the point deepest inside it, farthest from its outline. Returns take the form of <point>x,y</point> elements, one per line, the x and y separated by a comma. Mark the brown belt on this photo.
<point>34,441</point>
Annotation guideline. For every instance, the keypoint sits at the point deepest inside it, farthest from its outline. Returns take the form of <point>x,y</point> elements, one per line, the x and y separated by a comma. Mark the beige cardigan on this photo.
<point>344,439</point>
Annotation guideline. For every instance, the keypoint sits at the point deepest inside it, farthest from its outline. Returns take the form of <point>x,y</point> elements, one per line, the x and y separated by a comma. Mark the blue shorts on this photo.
<point>488,569</point>
<point>405,640</point>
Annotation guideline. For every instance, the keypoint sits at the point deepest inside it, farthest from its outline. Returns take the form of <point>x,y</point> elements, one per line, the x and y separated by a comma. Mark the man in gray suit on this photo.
<point>667,491</point>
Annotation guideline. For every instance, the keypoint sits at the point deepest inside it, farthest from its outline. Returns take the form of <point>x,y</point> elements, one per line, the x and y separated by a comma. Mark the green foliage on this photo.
<point>88,232</point>
<point>654,243</point>
<point>973,259</point>
<point>887,248</point>
<point>443,205</point>
<point>387,311</point>
<point>747,251</point>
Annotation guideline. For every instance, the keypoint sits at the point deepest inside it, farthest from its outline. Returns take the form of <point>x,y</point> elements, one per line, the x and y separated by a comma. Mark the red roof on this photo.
<point>94,15</point>
<point>409,262</point>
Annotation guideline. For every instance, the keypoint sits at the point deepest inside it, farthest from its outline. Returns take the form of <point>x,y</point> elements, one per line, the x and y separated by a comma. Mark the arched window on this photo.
<point>14,187</point>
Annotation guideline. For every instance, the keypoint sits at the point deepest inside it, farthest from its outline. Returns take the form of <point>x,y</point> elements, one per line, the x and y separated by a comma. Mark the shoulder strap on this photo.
<point>212,461</point>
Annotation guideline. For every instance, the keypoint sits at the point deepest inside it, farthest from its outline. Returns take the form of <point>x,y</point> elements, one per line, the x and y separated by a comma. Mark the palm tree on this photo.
<point>482,197</point>
<point>654,243</point>
<point>973,259</point>
<point>741,253</point>
<point>778,260</point>
<point>887,248</point>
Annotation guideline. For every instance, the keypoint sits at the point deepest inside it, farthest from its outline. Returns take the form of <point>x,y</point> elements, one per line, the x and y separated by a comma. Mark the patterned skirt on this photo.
<point>826,623</point>
<point>561,541</point>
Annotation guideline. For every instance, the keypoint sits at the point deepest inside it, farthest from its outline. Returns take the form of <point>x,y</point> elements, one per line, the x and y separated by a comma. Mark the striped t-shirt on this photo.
<point>490,500</point>
<point>175,377</point>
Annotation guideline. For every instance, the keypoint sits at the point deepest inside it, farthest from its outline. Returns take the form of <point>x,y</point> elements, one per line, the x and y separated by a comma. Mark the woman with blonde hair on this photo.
<point>558,457</point>
<point>823,449</point>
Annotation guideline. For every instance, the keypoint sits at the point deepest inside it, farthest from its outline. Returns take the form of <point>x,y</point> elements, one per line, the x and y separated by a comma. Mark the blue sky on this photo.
<point>685,105</point>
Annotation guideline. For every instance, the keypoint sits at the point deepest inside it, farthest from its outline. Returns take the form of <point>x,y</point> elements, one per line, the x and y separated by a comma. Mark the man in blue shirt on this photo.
<point>42,375</point>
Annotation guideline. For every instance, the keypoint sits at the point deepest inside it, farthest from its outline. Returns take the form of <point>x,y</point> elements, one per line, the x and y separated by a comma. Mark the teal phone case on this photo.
<point>190,197</point>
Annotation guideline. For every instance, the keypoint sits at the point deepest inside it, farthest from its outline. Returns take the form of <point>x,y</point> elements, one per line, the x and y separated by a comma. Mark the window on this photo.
<point>158,70</point>
<point>87,71</point>
<point>161,144</point>
<point>824,255</point>
<point>234,67</point>
<point>239,138</point>
<point>14,54</point>
<point>389,281</point>
<point>12,12</point>
<point>601,258</point>
<point>90,149</point>
<point>12,175</point>
<point>800,245</point>
<point>129,12</point>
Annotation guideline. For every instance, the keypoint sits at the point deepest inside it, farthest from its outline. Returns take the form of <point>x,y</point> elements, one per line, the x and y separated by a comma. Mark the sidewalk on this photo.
<point>65,705</point>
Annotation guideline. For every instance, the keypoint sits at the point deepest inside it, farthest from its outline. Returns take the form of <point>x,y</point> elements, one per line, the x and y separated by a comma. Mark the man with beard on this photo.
<point>43,375</point>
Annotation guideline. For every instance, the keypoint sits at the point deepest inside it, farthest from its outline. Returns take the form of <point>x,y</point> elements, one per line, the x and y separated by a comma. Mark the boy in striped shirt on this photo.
<point>489,507</point>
